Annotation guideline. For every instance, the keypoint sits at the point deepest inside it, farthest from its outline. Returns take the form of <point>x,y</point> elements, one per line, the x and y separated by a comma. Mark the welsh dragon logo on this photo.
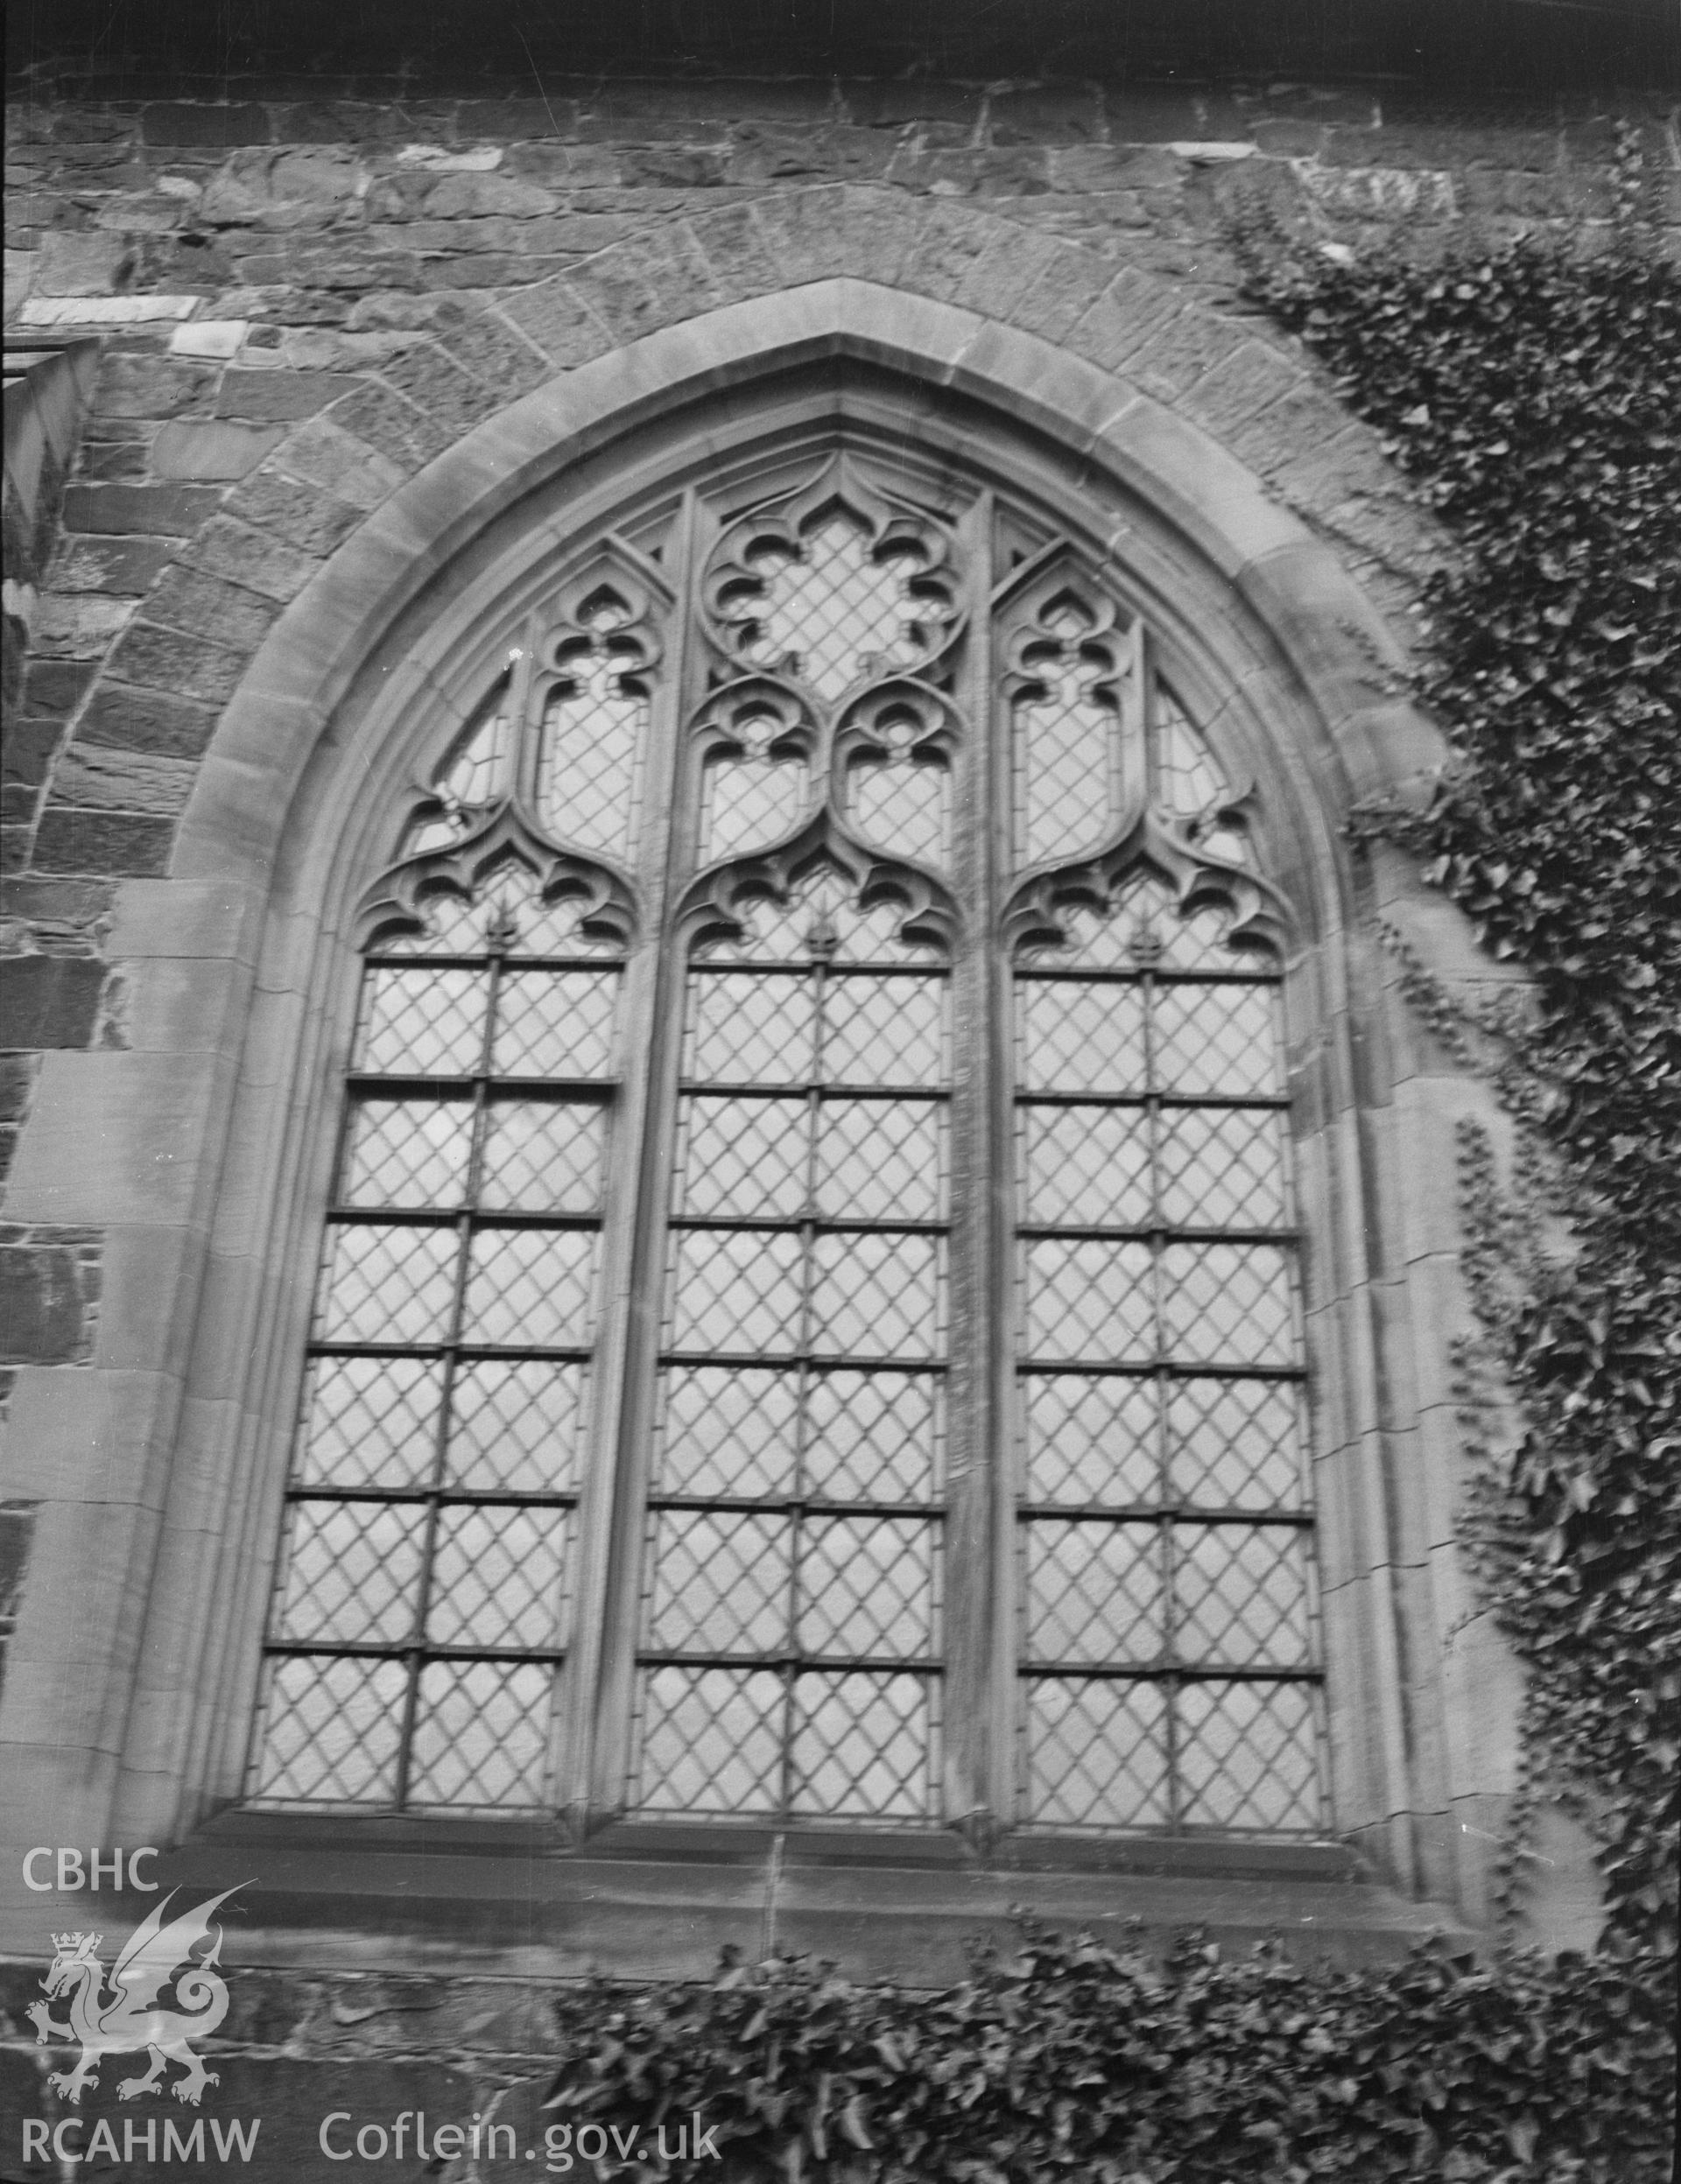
<point>115,2013</point>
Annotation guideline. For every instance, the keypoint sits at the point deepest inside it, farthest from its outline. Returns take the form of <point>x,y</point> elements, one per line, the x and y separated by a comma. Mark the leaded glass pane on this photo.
<point>1091,1439</point>
<point>1248,1756</point>
<point>593,726</point>
<point>722,1581</point>
<point>712,1741</point>
<point>1144,928</point>
<point>451,926</point>
<point>822,911</point>
<point>1090,1300</point>
<point>1216,1039</point>
<point>496,1577</point>
<point>748,1030</point>
<point>1236,1442</point>
<point>746,1157</point>
<point>751,798</point>
<point>877,1296</point>
<point>884,1030</point>
<point>1083,1038</point>
<point>1187,779</point>
<point>480,1736</point>
<point>807,1285</point>
<point>1223,1168</point>
<point>515,1425</point>
<point>428,1415</point>
<point>838,611</point>
<point>1067,744</point>
<point>869,1586</point>
<point>408,1152</point>
<point>391,1285</point>
<point>331,1731</point>
<point>1119,941</point>
<point>727,1429</point>
<point>1096,1753</point>
<point>474,775</point>
<point>530,1287</point>
<point>352,1572</point>
<point>864,1748</point>
<point>526,925</point>
<point>735,1291</point>
<point>1240,1594</point>
<point>369,1422</point>
<point>555,1023</point>
<point>1087,1165</point>
<point>905,807</point>
<point>881,1159</point>
<point>1196,943</point>
<point>540,1155</point>
<point>1096,1592</point>
<point>1228,1303</point>
<point>422,1021</point>
<point>875,1437</point>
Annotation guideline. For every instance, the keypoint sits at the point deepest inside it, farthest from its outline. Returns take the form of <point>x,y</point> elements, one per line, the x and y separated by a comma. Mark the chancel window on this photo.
<point>809,1324</point>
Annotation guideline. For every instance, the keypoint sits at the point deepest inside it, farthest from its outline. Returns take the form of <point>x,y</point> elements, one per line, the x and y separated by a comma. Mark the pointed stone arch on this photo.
<point>1126,383</point>
<point>1337,644</point>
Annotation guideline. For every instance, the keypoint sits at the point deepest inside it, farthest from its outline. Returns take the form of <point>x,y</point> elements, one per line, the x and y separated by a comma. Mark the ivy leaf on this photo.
<point>1554,629</point>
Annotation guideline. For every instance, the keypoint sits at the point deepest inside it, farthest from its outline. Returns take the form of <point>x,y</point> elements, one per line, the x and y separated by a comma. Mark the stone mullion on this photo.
<point>600,1676</point>
<point>979,1697</point>
<point>525,698</point>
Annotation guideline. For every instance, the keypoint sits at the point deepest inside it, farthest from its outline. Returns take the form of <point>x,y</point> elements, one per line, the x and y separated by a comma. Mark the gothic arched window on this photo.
<point>808,1323</point>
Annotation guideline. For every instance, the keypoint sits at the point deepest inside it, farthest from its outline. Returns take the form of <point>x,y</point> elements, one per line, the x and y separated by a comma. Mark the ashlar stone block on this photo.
<point>302,512</point>
<point>219,449</point>
<point>251,559</point>
<point>169,659</point>
<point>323,454</point>
<point>99,778</point>
<point>155,720</point>
<point>108,843</point>
<point>555,315</point>
<point>205,606</point>
<point>51,1001</point>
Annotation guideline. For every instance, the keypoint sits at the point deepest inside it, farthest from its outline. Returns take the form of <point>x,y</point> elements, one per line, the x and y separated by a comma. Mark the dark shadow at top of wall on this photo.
<point>113,48</point>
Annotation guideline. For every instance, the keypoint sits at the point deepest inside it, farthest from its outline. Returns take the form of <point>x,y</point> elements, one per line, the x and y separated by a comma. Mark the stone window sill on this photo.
<point>662,1900</point>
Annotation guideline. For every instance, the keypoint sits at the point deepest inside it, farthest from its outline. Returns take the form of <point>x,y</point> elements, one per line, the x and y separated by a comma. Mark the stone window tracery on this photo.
<point>808,1328</point>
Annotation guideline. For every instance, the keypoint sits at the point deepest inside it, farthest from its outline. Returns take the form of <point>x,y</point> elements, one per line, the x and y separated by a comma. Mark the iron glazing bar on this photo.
<point>1163,1670</point>
<point>366,1649</point>
<point>1095,974</point>
<point>1159,1512</point>
<point>783,1661</point>
<point>1221,1103</point>
<point>1148,1368</point>
<point>450,1497</point>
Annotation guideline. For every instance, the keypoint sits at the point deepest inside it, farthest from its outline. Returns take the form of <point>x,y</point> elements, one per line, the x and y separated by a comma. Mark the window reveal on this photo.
<point>965,1050</point>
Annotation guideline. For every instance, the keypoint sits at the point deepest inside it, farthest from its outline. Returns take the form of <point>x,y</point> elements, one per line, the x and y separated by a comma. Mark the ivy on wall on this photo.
<point>1065,2059</point>
<point>1533,395</point>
